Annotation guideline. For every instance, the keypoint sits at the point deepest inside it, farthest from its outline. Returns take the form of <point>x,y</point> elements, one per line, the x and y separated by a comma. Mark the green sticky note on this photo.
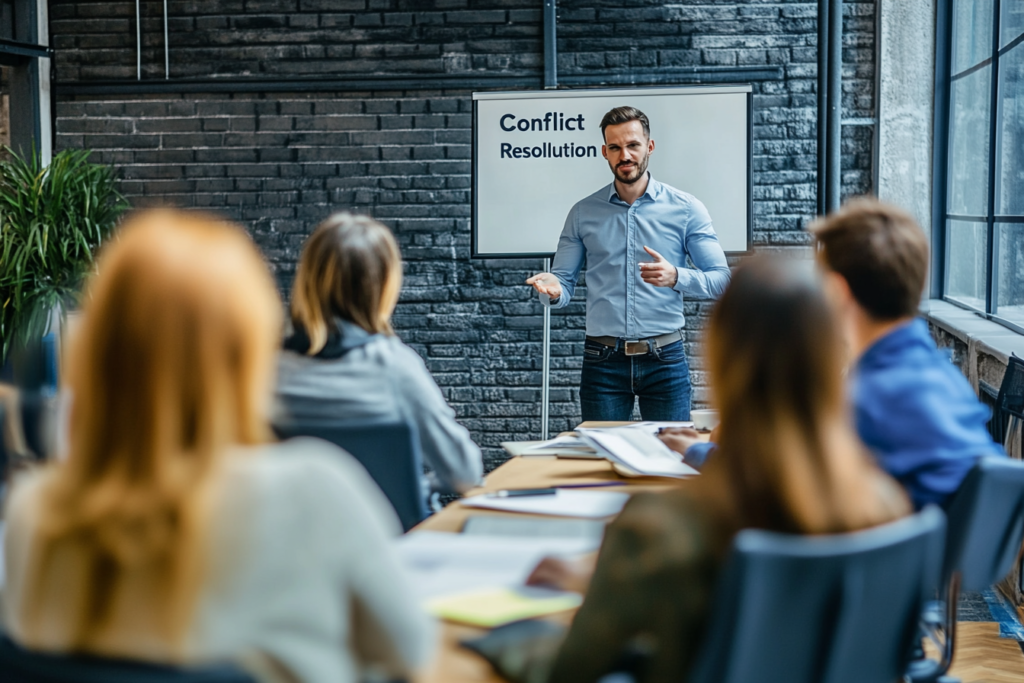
<point>491,607</point>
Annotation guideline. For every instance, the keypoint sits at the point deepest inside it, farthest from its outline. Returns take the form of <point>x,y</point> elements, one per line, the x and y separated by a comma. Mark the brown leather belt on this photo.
<point>638,347</point>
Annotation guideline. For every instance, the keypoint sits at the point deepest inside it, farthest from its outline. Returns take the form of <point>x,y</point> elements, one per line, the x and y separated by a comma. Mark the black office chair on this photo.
<point>822,609</point>
<point>18,665</point>
<point>1009,402</point>
<point>389,452</point>
<point>984,537</point>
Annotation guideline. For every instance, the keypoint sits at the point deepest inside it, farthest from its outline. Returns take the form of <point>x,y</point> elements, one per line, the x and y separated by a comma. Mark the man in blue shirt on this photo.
<point>634,235</point>
<point>913,409</point>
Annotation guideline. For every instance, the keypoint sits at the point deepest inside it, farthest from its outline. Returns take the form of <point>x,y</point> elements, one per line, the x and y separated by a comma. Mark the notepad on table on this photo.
<point>492,607</point>
<point>563,503</point>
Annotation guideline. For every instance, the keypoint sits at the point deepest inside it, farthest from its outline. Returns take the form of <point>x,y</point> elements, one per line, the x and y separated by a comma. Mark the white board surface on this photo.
<point>525,180</point>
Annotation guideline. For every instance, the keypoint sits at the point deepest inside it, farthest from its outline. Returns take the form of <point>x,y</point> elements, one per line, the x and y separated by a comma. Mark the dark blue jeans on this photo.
<point>612,381</point>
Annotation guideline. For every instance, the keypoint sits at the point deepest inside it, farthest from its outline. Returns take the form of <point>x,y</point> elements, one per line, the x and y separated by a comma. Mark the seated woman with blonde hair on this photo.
<point>788,461</point>
<point>343,364</point>
<point>175,531</point>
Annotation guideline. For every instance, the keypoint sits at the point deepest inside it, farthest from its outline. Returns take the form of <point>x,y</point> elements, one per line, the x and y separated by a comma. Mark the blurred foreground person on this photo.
<point>915,410</point>
<point>174,531</point>
<point>343,364</point>
<point>787,461</point>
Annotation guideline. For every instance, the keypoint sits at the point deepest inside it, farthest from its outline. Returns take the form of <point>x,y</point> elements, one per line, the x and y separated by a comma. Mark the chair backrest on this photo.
<point>822,609</point>
<point>986,523</point>
<point>1010,400</point>
<point>18,665</point>
<point>389,452</point>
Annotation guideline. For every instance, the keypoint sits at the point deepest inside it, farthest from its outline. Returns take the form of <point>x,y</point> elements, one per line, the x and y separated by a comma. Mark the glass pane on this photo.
<point>969,143</point>
<point>1012,21</point>
<point>1010,143</point>
<point>972,33</point>
<point>967,268</point>
<point>1010,290</point>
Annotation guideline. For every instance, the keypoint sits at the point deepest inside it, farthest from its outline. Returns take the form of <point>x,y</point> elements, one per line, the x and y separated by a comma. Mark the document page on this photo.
<point>440,563</point>
<point>639,450</point>
<point>563,503</point>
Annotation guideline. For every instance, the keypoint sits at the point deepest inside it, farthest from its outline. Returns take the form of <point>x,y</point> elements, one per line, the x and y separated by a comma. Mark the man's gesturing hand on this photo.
<point>546,283</point>
<point>660,272</point>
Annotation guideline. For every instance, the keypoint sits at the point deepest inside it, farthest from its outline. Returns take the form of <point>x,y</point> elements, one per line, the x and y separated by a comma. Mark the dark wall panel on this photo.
<point>279,162</point>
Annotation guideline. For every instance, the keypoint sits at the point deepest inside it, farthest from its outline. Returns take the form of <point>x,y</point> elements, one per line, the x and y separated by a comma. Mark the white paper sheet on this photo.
<point>639,450</point>
<point>569,442</point>
<point>440,563</point>
<point>564,503</point>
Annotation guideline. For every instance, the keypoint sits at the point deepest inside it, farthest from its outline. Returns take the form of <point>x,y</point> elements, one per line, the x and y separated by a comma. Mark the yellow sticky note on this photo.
<point>493,607</point>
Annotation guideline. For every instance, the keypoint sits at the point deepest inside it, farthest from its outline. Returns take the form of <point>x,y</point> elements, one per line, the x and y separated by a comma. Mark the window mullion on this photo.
<point>990,281</point>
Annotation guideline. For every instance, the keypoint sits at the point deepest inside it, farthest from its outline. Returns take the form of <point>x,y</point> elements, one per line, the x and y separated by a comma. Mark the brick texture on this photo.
<point>280,162</point>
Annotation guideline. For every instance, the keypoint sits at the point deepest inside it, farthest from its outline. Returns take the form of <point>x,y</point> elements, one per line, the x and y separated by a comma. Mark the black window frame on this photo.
<point>944,79</point>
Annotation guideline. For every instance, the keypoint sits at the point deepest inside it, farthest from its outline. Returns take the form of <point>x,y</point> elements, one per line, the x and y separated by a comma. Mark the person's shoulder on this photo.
<point>669,193</point>
<point>661,514</point>
<point>302,464</point>
<point>597,199</point>
<point>670,528</point>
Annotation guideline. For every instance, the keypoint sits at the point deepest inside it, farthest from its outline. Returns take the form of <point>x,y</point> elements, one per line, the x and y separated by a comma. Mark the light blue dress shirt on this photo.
<point>610,235</point>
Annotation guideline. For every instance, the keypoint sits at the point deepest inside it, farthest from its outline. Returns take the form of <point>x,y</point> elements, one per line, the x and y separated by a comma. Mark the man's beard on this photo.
<point>640,168</point>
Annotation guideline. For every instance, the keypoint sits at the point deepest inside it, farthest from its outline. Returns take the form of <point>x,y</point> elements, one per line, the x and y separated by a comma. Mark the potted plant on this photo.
<point>52,220</point>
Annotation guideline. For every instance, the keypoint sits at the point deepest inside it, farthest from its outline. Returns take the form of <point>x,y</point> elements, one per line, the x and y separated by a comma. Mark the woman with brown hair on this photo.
<point>344,364</point>
<point>175,530</point>
<point>788,460</point>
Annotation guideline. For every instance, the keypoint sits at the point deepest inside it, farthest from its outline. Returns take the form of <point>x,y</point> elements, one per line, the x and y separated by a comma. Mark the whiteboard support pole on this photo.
<point>545,382</point>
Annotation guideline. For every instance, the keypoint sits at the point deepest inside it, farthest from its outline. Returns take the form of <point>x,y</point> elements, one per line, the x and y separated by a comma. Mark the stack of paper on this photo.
<point>562,503</point>
<point>569,446</point>
<point>637,451</point>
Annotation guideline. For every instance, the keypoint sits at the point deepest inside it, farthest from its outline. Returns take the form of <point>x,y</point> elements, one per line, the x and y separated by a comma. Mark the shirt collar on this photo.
<point>652,192</point>
<point>913,333</point>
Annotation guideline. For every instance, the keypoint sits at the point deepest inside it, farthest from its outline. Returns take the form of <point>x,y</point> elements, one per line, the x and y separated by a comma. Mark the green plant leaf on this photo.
<point>52,220</point>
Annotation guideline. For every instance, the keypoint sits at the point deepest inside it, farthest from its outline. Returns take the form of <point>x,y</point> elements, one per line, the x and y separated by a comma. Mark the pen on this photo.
<point>592,486</point>
<point>512,493</point>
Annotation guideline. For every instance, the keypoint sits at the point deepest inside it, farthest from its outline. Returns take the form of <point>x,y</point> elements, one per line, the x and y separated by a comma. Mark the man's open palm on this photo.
<point>546,283</point>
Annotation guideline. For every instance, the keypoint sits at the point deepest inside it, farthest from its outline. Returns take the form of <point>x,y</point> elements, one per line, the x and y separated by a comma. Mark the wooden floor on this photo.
<point>983,657</point>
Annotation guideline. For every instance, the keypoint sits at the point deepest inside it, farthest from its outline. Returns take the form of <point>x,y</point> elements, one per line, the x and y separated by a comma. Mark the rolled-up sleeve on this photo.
<point>568,262</point>
<point>711,277</point>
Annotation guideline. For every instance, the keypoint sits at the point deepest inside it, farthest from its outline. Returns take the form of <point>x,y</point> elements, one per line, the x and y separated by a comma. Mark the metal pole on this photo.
<point>833,196</point>
<point>138,41</point>
<point>550,45</point>
<point>167,49</point>
<point>545,382</point>
<point>823,34</point>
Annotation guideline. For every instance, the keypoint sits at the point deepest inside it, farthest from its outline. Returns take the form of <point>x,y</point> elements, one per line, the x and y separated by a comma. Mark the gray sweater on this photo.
<point>302,584</point>
<point>379,379</point>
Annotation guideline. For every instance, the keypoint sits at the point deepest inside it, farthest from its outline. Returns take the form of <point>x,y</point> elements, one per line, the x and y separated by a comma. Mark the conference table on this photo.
<point>453,663</point>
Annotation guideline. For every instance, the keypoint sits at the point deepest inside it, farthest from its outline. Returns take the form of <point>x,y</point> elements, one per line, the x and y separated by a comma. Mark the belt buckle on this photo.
<point>636,347</point>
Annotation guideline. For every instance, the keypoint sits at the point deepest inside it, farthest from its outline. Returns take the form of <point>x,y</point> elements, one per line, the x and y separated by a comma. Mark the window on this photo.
<point>982,240</point>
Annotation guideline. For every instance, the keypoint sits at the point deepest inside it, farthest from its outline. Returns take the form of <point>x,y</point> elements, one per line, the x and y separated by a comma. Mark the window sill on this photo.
<point>973,330</point>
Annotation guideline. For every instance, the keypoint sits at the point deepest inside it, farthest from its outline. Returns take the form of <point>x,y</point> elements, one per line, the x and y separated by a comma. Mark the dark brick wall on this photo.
<point>280,162</point>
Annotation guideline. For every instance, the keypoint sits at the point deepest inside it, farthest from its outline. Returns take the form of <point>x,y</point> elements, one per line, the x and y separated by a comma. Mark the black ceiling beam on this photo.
<point>472,81</point>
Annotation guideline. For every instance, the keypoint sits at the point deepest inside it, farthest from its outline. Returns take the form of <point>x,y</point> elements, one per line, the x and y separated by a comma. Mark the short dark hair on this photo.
<point>625,115</point>
<point>880,251</point>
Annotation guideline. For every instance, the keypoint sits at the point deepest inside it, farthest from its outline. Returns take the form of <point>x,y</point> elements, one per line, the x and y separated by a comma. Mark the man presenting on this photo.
<point>634,236</point>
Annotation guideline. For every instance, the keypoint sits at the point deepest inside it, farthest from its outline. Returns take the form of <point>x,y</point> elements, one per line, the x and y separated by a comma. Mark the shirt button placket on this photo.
<point>631,270</point>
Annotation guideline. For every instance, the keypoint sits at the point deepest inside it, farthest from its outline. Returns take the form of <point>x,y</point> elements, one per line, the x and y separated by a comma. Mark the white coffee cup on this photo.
<point>704,420</point>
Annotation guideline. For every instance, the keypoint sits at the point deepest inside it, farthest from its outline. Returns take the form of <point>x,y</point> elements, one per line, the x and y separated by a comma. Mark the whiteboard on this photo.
<point>535,154</point>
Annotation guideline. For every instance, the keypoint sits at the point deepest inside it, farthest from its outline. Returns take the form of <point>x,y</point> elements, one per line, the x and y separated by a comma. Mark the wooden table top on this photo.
<point>454,664</point>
